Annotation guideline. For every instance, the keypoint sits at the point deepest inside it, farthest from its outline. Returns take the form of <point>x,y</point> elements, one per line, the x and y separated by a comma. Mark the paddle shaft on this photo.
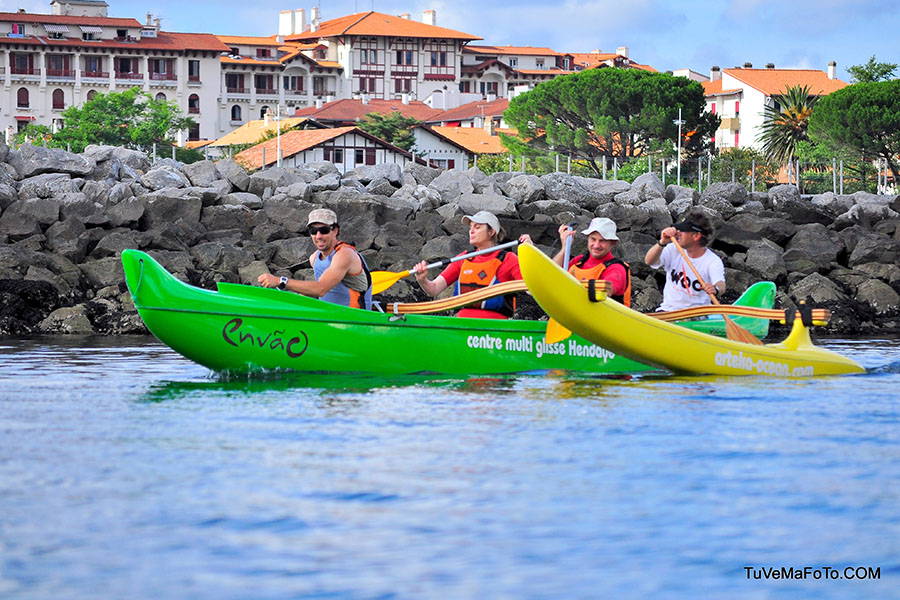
<point>447,261</point>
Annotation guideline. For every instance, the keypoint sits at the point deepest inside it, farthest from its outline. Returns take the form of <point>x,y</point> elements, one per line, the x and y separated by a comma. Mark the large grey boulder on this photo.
<point>734,194</point>
<point>368,173</point>
<point>69,319</point>
<point>159,210</point>
<point>228,216</point>
<point>8,195</point>
<point>547,207</point>
<point>113,243</point>
<point>46,185</point>
<point>67,239</point>
<point>451,185</point>
<point>471,203</point>
<point>817,244</point>
<point>817,288</point>
<point>31,160</point>
<point>648,187</point>
<point>380,187</point>
<point>765,259</point>
<point>832,203</point>
<point>76,205</point>
<point>875,248</point>
<point>325,183</point>
<point>164,177</point>
<point>201,173</point>
<point>773,228</point>
<point>271,179</point>
<point>133,160</point>
<point>422,174</point>
<point>600,191</point>
<point>126,212</point>
<point>865,215</point>
<point>674,192</point>
<point>44,210</point>
<point>234,173</point>
<point>246,199</point>
<point>524,188</point>
<point>879,295</point>
<point>103,272</point>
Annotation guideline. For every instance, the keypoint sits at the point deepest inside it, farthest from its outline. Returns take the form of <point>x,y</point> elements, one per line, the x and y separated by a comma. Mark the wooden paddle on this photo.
<point>734,331</point>
<point>556,332</point>
<point>382,280</point>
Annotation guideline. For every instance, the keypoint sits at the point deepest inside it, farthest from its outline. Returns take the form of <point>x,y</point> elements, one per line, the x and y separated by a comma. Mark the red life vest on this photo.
<point>476,275</point>
<point>579,272</point>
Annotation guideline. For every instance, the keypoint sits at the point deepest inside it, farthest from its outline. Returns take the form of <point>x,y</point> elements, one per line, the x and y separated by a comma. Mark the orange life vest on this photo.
<point>477,275</point>
<point>579,272</point>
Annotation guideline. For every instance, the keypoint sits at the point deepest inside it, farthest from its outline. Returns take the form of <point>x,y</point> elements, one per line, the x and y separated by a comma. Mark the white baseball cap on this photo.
<point>604,227</point>
<point>485,218</point>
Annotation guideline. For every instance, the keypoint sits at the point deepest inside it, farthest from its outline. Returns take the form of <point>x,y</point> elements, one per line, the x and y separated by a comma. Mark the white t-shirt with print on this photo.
<point>682,290</point>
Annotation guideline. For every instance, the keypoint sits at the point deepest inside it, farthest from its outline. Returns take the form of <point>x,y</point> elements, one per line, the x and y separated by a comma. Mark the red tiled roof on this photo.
<point>348,110</point>
<point>249,40</point>
<point>513,50</point>
<point>163,41</point>
<point>299,140</point>
<point>67,20</point>
<point>379,24</point>
<point>553,72</point>
<point>471,110</point>
<point>474,139</point>
<point>776,81</point>
<point>714,88</point>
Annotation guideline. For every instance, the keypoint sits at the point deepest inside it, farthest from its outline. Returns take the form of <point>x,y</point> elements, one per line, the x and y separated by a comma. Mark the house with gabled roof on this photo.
<point>739,96</point>
<point>346,147</point>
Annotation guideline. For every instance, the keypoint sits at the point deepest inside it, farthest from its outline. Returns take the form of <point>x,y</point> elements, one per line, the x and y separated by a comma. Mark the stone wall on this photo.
<point>65,218</point>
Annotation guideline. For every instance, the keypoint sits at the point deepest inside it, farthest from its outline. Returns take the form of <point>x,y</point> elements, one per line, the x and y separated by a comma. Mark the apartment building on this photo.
<point>385,56</point>
<point>494,72</point>
<point>49,62</point>
<point>740,95</point>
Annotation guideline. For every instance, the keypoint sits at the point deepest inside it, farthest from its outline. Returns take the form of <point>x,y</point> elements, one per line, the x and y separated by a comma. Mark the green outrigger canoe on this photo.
<point>240,328</point>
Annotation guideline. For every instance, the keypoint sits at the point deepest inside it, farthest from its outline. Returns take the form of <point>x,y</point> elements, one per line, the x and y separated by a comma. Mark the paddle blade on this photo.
<point>382,280</point>
<point>736,333</point>
<point>555,332</point>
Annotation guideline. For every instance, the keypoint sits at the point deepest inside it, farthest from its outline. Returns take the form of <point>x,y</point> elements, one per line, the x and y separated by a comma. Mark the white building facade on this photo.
<point>51,62</point>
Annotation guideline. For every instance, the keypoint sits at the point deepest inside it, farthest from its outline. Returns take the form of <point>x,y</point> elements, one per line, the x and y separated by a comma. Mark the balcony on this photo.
<point>121,75</point>
<point>294,92</point>
<point>95,74</point>
<point>195,78</point>
<point>24,71</point>
<point>730,124</point>
<point>60,73</point>
<point>237,90</point>
<point>193,110</point>
<point>266,92</point>
<point>163,77</point>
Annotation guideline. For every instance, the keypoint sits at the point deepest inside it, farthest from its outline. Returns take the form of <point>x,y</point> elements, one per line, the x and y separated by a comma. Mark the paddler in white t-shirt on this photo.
<point>682,289</point>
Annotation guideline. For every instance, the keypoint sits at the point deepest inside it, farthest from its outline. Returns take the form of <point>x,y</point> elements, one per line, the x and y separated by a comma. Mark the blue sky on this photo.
<point>665,35</point>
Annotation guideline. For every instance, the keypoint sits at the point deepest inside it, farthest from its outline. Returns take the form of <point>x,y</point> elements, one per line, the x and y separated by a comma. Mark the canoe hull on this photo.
<point>243,328</point>
<point>654,342</point>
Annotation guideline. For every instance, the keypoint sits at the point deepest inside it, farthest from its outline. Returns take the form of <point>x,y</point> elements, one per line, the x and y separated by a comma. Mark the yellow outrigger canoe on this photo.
<point>639,337</point>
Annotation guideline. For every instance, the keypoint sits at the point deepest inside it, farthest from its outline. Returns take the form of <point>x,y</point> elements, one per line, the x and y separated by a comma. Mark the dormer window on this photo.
<point>235,51</point>
<point>263,53</point>
<point>121,34</point>
<point>513,62</point>
<point>539,63</point>
<point>18,30</point>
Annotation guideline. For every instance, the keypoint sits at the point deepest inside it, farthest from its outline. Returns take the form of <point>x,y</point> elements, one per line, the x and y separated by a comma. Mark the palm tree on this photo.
<point>785,123</point>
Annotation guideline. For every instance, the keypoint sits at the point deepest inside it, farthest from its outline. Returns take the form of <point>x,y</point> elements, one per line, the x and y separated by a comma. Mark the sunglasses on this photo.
<point>323,229</point>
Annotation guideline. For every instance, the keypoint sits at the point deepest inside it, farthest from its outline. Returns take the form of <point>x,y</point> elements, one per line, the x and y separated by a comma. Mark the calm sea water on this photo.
<point>129,472</point>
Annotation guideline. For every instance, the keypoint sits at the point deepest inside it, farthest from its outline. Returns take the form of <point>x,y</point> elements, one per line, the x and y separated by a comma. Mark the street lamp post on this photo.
<point>278,135</point>
<point>679,122</point>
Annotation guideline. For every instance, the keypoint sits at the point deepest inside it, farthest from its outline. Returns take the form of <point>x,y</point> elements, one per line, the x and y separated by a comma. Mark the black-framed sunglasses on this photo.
<point>323,229</point>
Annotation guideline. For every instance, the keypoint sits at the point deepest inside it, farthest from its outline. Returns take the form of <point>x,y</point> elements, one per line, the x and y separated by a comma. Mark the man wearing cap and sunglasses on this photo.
<point>342,276</point>
<point>682,290</point>
<point>598,263</point>
<point>479,271</point>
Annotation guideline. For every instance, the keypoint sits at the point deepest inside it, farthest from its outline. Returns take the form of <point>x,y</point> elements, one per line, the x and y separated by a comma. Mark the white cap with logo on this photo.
<point>604,227</point>
<point>484,217</point>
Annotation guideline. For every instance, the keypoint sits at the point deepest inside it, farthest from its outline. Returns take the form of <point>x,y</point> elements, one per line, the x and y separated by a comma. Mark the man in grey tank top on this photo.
<point>342,276</point>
